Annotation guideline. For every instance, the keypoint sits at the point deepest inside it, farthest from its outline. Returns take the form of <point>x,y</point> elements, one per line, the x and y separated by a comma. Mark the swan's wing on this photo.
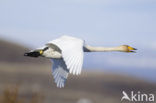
<point>59,72</point>
<point>72,52</point>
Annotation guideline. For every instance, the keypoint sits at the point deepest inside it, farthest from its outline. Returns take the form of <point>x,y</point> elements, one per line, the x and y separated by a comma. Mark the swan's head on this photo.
<point>127,48</point>
<point>35,53</point>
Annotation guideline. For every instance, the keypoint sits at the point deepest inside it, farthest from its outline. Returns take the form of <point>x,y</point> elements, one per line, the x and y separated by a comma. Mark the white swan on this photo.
<point>67,53</point>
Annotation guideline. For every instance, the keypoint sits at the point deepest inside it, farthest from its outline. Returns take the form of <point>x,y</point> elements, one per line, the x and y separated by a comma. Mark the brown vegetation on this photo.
<point>11,95</point>
<point>35,79</point>
<point>95,86</point>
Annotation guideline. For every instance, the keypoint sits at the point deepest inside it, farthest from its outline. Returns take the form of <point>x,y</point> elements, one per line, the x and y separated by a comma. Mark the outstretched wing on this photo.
<point>72,52</point>
<point>59,72</point>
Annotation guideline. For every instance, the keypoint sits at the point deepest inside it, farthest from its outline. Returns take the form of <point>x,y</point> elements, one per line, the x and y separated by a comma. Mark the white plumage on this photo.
<point>67,53</point>
<point>72,54</point>
<point>59,72</point>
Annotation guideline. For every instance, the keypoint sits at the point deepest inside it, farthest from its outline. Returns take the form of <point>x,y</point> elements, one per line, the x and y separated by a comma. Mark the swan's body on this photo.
<point>67,55</point>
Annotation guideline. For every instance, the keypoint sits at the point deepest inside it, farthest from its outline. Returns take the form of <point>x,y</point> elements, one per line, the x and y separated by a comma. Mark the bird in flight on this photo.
<point>66,54</point>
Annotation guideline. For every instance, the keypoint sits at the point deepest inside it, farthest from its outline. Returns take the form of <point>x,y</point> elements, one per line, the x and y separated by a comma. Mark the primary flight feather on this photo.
<point>66,53</point>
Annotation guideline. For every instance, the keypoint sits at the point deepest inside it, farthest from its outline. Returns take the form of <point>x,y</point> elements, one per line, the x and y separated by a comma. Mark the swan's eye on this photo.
<point>45,48</point>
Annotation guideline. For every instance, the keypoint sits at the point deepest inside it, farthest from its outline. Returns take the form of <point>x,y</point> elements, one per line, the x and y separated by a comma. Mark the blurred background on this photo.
<point>28,24</point>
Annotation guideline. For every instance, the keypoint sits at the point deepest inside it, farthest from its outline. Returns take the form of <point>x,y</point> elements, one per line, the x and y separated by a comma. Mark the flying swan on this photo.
<point>67,53</point>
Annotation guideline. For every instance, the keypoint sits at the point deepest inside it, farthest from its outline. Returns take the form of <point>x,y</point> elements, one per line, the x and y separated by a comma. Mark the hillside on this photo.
<point>99,87</point>
<point>14,53</point>
<point>33,77</point>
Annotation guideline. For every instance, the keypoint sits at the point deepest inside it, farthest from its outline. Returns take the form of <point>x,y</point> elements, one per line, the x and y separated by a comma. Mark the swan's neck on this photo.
<point>101,49</point>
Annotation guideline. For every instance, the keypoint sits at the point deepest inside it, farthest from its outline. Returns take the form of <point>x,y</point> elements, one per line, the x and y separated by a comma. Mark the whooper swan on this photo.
<point>67,53</point>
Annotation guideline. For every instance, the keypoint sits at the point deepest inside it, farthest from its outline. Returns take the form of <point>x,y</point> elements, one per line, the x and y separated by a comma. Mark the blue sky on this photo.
<point>99,22</point>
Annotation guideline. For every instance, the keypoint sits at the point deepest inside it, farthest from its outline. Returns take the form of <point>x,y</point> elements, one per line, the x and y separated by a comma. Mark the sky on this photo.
<point>99,22</point>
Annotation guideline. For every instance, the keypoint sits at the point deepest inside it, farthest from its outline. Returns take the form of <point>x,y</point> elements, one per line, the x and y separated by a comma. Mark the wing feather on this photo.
<point>75,68</point>
<point>81,63</point>
<point>69,61</point>
<point>59,72</point>
<point>72,52</point>
<point>74,62</point>
<point>78,63</point>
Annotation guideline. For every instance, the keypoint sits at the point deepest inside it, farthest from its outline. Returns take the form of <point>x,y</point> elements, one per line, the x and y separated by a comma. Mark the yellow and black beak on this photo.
<point>131,49</point>
<point>34,53</point>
